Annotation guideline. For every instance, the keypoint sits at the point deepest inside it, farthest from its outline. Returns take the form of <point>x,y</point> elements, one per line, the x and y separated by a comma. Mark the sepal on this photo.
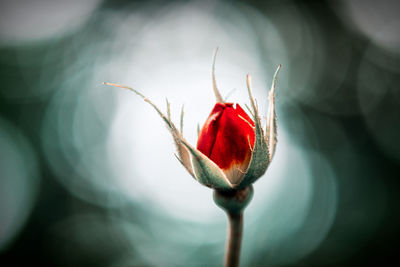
<point>260,156</point>
<point>206,171</point>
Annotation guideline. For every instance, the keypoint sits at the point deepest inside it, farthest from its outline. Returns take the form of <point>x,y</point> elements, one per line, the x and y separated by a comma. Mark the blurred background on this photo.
<point>87,171</point>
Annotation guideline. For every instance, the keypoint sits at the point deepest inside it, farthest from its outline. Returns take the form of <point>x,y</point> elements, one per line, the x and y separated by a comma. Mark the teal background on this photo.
<point>87,172</point>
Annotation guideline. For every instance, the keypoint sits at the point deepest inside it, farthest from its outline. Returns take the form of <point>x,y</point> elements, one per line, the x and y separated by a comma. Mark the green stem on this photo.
<point>235,232</point>
<point>233,203</point>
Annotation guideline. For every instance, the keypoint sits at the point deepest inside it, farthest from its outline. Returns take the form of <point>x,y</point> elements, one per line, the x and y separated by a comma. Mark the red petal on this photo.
<point>225,136</point>
<point>243,114</point>
<point>209,131</point>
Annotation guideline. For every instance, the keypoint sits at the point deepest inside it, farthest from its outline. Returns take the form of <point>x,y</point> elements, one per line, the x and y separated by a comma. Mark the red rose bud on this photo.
<point>233,151</point>
<point>227,138</point>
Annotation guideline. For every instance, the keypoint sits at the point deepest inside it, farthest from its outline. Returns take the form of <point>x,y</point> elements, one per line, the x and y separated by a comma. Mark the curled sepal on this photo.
<point>217,94</point>
<point>183,153</point>
<point>260,157</point>
<point>270,136</point>
<point>184,156</point>
<point>206,171</point>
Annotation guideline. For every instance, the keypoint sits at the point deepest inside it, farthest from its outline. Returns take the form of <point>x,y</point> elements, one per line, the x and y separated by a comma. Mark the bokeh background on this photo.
<point>87,172</point>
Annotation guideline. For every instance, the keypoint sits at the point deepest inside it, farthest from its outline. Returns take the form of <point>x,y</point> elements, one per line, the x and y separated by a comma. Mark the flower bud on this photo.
<point>233,150</point>
<point>227,138</point>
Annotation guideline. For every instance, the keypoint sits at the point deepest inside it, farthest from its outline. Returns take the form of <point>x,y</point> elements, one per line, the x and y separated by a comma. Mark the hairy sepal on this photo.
<point>206,171</point>
<point>260,156</point>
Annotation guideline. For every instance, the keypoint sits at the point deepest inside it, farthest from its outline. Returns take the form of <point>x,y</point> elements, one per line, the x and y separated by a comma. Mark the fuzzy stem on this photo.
<point>235,231</point>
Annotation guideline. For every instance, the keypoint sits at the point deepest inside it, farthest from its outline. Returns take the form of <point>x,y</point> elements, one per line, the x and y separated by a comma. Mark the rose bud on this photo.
<point>233,150</point>
<point>227,138</point>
